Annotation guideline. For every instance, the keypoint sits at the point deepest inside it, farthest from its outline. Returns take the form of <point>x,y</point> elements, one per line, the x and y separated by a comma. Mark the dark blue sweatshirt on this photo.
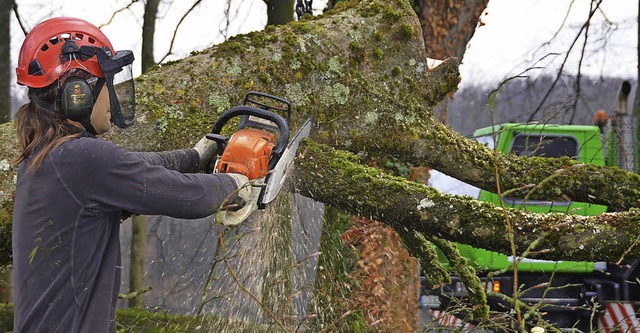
<point>66,221</point>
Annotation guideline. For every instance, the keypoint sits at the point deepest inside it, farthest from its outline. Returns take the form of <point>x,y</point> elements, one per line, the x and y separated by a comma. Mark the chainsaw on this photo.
<point>260,148</point>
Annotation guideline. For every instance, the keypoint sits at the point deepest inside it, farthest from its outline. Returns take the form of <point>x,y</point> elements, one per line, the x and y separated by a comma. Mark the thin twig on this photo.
<point>635,243</point>
<point>564,61</point>
<point>14,6</point>
<point>118,11</point>
<point>175,31</point>
<point>510,229</point>
<point>134,294</point>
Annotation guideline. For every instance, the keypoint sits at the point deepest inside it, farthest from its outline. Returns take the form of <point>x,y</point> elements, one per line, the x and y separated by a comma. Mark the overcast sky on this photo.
<point>515,33</point>
<point>518,33</point>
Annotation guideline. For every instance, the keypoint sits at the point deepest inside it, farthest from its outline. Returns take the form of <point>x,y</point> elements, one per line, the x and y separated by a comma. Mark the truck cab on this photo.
<point>569,292</point>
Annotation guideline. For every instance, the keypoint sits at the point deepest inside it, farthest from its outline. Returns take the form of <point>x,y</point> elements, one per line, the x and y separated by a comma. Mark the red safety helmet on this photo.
<point>40,63</point>
<point>64,44</point>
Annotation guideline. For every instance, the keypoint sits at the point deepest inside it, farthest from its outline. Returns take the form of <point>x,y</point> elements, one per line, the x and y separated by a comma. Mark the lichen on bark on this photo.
<point>361,74</point>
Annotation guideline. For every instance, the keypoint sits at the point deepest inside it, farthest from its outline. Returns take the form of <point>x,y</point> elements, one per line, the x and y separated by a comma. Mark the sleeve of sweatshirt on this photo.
<point>123,181</point>
<point>183,160</point>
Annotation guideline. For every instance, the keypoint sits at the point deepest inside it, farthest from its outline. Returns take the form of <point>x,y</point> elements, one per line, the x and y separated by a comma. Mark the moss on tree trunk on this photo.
<point>360,71</point>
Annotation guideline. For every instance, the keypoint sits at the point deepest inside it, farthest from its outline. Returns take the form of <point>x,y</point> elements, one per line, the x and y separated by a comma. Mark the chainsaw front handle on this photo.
<point>250,98</point>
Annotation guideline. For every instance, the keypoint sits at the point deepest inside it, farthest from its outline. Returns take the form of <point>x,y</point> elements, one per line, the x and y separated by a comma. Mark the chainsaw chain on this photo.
<point>304,7</point>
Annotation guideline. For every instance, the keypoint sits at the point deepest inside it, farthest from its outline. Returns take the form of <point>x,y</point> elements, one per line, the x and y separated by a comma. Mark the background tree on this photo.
<point>447,26</point>
<point>139,222</point>
<point>636,108</point>
<point>148,32</point>
<point>279,11</point>
<point>6,7</point>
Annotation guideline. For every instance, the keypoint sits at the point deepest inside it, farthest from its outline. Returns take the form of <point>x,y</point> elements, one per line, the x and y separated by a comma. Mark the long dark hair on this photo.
<point>40,125</point>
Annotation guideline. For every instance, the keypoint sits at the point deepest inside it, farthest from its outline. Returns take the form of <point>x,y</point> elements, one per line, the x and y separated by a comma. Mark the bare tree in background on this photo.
<point>567,98</point>
<point>563,92</point>
<point>5,59</point>
<point>584,30</point>
<point>636,105</point>
<point>148,31</point>
<point>139,222</point>
<point>279,11</point>
<point>5,105</point>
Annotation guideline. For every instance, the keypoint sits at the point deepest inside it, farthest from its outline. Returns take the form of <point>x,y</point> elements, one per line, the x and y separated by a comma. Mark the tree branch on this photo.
<point>14,6</point>
<point>336,178</point>
<point>118,11</point>
<point>175,31</point>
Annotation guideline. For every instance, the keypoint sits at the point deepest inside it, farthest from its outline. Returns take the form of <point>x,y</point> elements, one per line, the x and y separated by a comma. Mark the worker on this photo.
<point>72,186</point>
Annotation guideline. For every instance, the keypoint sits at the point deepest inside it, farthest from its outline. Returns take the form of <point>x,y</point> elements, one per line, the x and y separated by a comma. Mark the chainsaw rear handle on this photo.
<point>245,110</point>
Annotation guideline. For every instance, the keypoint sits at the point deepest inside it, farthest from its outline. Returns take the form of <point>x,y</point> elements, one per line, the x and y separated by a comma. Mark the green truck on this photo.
<point>575,296</point>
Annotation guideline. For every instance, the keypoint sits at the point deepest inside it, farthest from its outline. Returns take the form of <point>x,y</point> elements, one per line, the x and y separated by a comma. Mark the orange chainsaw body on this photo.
<point>248,152</point>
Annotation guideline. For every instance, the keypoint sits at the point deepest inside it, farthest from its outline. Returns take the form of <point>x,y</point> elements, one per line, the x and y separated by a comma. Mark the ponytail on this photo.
<point>41,129</point>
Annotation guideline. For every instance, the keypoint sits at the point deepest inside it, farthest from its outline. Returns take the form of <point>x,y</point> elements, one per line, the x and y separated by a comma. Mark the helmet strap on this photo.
<point>86,122</point>
<point>41,103</point>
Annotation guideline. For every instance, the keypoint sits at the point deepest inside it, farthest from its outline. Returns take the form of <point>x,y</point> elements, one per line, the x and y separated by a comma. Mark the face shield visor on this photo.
<point>119,80</point>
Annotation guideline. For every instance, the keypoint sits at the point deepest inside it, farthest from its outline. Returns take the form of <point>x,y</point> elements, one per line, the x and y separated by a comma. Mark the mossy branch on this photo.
<point>441,148</point>
<point>431,267</point>
<point>337,178</point>
<point>477,295</point>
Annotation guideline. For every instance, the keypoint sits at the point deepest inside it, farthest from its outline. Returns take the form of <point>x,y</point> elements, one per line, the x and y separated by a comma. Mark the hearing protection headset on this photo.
<point>76,98</point>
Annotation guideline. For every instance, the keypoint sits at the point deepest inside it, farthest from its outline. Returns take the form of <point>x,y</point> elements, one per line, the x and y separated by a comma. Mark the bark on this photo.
<point>360,72</point>
<point>443,149</point>
<point>623,129</point>
<point>447,26</point>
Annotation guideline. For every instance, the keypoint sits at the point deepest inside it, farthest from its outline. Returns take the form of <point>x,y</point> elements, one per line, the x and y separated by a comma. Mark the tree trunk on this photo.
<point>636,105</point>
<point>138,249</point>
<point>5,116</point>
<point>6,296</point>
<point>624,129</point>
<point>139,223</point>
<point>148,31</point>
<point>447,26</point>
<point>360,72</point>
<point>279,11</point>
<point>5,60</point>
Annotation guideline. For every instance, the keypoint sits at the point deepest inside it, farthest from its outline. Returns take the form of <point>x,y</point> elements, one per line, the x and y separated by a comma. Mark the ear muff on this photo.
<point>76,99</point>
